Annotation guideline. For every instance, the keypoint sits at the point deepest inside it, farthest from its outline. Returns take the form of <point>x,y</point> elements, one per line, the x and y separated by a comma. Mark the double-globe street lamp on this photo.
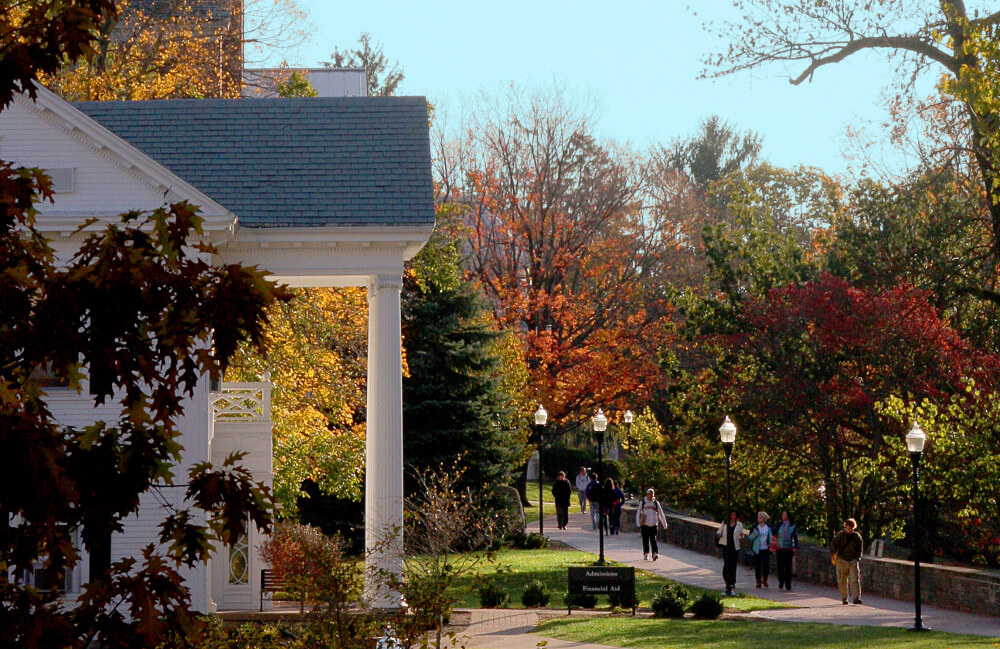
<point>600,423</point>
<point>541,417</point>
<point>915,440</point>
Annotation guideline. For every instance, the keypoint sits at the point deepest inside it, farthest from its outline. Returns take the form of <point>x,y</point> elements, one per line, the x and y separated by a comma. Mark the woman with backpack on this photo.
<point>648,515</point>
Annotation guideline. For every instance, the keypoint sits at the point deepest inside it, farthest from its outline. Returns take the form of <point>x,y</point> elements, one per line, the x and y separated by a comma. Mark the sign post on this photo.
<point>603,580</point>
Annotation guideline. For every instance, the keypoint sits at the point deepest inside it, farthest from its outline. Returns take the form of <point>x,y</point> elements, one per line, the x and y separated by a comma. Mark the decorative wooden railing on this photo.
<point>243,401</point>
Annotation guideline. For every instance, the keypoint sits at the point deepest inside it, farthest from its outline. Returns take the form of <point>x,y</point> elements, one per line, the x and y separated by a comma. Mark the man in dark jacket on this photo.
<point>561,493</point>
<point>847,547</point>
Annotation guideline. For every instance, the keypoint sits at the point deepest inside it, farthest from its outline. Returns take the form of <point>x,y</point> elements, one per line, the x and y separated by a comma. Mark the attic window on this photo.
<point>63,180</point>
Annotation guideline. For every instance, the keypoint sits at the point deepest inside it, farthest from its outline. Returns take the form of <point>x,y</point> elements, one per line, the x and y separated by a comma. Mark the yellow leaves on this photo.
<point>317,356</point>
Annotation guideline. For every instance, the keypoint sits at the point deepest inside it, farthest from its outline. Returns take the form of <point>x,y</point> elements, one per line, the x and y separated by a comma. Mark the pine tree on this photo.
<point>454,404</point>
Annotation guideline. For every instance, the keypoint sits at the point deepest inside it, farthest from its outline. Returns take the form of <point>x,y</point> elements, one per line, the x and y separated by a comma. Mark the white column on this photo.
<point>384,442</point>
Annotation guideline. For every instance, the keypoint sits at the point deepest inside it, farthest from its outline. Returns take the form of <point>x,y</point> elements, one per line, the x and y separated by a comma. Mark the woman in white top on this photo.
<point>728,536</point>
<point>647,516</point>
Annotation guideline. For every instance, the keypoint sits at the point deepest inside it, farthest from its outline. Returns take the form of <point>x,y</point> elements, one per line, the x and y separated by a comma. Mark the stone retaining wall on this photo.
<point>965,589</point>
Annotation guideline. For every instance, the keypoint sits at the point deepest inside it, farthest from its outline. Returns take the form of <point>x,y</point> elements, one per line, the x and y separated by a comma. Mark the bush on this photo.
<point>707,607</point>
<point>535,594</point>
<point>583,600</point>
<point>493,595</point>
<point>623,600</point>
<point>670,602</point>
<point>535,541</point>
<point>563,458</point>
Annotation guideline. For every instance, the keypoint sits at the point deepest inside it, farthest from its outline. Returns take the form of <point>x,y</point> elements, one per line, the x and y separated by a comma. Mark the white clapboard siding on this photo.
<point>101,186</point>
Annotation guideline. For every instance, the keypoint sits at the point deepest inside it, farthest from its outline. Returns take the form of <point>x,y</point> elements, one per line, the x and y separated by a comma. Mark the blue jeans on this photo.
<point>595,513</point>
<point>583,500</point>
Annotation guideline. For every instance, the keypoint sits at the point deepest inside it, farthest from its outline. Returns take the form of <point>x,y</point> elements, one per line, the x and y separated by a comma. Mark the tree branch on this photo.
<point>909,43</point>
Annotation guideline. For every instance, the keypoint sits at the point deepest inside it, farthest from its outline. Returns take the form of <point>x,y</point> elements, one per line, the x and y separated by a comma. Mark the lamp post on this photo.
<point>600,425</point>
<point>915,445</point>
<point>727,434</point>
<point>540,418</point>
<point>627,418</point>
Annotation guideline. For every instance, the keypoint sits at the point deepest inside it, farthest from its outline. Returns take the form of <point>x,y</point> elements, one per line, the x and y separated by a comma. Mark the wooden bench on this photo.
<point>271,584</point>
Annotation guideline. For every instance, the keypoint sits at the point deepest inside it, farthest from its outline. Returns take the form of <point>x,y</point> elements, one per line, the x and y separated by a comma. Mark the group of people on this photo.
<point>781,539</point>
<point>605,500</point>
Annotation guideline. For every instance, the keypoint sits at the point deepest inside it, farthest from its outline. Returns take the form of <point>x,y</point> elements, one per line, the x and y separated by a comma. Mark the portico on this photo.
<point>317,191</point>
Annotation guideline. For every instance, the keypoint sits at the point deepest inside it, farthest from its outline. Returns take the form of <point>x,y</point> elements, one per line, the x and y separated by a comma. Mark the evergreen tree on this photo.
<point>454,405</point>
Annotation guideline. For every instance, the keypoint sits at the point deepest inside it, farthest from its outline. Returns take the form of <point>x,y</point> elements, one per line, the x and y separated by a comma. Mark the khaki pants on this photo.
<point>849,578</point>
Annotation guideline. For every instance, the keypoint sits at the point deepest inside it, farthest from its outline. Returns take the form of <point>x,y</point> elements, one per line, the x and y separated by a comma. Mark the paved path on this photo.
<point>814,603</point>
<point>510,628</point>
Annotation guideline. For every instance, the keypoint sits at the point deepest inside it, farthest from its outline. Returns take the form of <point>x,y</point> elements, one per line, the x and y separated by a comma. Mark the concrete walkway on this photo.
<point>813,603</point>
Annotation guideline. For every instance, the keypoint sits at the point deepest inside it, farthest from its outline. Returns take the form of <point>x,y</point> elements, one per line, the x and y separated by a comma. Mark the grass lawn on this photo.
<point>520,567</point>
<point>646,633</point>
<point>531,513</point>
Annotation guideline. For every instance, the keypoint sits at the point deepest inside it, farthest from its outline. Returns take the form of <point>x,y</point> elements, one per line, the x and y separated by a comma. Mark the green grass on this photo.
<point>647,633</point>
<point>520,567</point>
<point>548,505</point>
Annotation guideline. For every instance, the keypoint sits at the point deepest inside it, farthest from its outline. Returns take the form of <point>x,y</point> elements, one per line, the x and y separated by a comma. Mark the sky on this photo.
<point>640,59</point>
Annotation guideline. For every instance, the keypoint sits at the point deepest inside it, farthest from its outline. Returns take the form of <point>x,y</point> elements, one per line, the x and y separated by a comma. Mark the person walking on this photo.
<point>582,482</point>
<point>616,510</point>
<point>761,538</point>
<point>728,536</point>
<point>561,493</point>
<point>847,547</point>
<point>593,493</point>
<point>647,517</point>
<point>786,544</point>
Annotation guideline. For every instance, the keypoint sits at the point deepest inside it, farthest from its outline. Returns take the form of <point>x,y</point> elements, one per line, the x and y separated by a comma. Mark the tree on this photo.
<point>140,314</point>
<point>908,231</point>
<point>382,78</point>
<point>166,49</point>
<point>560,243</point>
<point>316,357</point>
<point>455,409</point>
<point>809,366</point>
<point>947,34</point>
<point>446,529</point>
<point>715,152</point>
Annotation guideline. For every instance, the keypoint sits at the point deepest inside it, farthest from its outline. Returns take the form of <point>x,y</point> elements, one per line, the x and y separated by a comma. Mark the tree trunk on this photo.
<point>522,485</point>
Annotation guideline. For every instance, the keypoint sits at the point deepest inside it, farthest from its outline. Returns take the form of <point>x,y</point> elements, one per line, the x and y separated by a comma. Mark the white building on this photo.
<point>320,192</point>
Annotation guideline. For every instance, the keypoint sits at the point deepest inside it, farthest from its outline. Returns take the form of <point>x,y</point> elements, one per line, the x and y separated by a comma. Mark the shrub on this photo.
<point>535,541</point>
<point>535,594</point>
<point>623,600</point>
<point>670,602</point>
<point>493,595</point>
<point>707,607</point>
<point>583,600</point>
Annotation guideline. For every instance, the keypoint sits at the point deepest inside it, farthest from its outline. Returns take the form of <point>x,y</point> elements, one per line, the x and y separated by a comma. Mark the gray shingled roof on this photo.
<point>290,162</point>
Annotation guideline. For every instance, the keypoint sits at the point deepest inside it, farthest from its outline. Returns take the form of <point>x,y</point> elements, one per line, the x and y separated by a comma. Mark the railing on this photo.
<point>243,401</point>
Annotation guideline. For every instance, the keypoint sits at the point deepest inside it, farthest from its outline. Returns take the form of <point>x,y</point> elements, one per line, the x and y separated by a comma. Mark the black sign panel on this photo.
<point>601,580</point>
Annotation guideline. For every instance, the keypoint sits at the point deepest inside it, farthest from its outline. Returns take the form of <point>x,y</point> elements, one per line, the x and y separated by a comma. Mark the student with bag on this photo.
<point>846,555</point>
<point>647,517</point>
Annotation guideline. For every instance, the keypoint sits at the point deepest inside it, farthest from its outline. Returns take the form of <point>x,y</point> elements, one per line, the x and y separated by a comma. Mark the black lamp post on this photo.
<point>600,425</point>
<point>727,434</point>
<point>915,445</point>
<point>627,418</point>
<point>540,418</point>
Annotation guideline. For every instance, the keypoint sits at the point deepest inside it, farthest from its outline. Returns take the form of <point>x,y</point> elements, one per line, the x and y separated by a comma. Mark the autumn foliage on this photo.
<point>559,241</point>
<point>811,365</point>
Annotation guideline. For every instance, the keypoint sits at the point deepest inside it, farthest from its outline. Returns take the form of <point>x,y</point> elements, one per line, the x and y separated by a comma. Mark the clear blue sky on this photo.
<point>640,58</point>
